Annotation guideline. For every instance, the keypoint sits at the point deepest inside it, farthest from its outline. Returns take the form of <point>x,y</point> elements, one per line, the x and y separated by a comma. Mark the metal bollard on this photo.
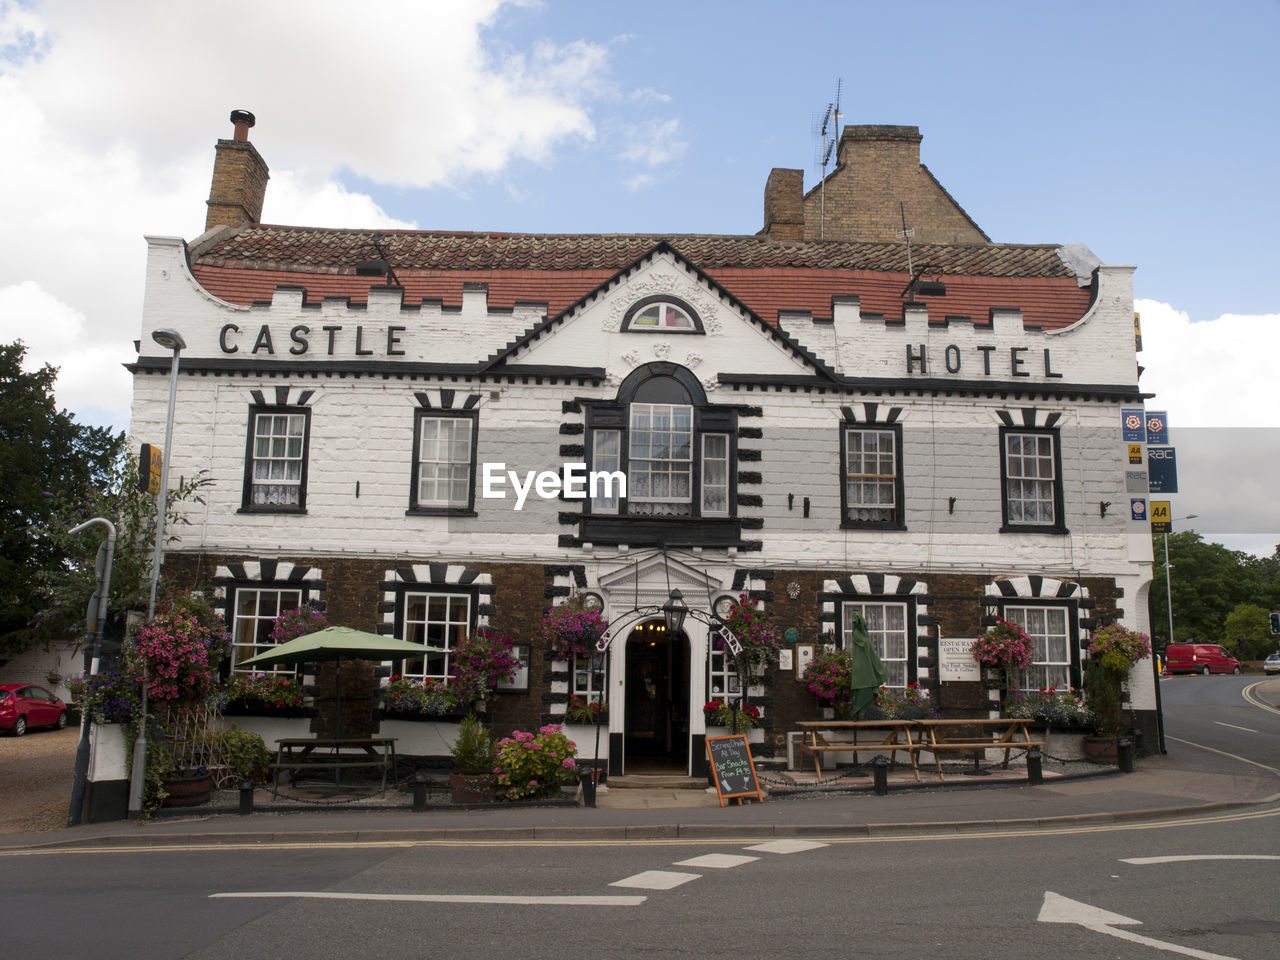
<point>1035,773</point>
<point>419,792</point>
<point>1124,754</point>
<point>880,774</point>
<point>246,797</point>
<point>587,777</point>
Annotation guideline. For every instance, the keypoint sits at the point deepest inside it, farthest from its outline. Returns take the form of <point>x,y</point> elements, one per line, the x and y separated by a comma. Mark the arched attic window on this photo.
<point>661,314</point>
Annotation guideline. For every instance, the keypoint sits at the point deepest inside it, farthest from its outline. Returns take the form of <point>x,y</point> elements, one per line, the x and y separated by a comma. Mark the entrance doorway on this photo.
<point>657,699</point>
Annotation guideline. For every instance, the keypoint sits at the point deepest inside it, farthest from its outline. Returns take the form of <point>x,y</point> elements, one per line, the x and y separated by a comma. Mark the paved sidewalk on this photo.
<point>1188,780</point>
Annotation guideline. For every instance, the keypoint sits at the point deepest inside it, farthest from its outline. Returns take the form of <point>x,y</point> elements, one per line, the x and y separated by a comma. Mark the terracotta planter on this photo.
<point>188,791</point>
<point>473,787</point>
<point>1101,750</point>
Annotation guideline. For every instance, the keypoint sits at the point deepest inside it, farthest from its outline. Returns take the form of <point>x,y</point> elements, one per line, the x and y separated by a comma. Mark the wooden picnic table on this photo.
<point>295,755</point>
<point>832,736</point>
<point>971,736</point>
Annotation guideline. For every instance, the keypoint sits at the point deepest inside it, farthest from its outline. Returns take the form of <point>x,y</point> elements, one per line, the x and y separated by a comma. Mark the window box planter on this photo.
<point>255,708</point>
<point>754,735</point>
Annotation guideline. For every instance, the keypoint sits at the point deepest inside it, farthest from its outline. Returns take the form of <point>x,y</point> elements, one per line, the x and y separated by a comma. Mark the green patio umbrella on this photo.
<point>867,672</point>
<point>338,644</point>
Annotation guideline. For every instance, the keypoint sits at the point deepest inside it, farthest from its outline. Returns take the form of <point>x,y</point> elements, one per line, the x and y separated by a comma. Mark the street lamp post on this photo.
<point>1168,583</point>
<point>1168,586</point>
<point>170,340</point>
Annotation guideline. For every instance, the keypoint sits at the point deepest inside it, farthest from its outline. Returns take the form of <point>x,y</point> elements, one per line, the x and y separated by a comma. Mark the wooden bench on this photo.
<point>970,736</point>
<point>298,755</point>
<point>819,738</point>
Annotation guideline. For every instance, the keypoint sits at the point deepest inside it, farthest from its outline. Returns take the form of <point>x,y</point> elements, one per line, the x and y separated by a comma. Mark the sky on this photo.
<point>1146,130</point>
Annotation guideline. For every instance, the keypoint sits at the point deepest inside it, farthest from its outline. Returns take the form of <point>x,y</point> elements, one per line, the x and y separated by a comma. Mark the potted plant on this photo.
<point>529,766</point>
<point>472,753</point>
<point>175,657</point>
<point>480,662</point>
<point>405,698</point>
<point>261,694</point>
<point>759,635</point>
<point>720,713</point>
<point>911,702</point>
<point>827,676</point>
<point>1112,653</point>
<point>581,710</point>
<point>572,629</point>
<point>1005,647</point>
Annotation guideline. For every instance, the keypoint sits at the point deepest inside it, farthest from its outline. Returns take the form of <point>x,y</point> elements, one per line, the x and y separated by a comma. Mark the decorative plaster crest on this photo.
<point>631,357</point>
<point>661,349</point>
<point>658,284</point>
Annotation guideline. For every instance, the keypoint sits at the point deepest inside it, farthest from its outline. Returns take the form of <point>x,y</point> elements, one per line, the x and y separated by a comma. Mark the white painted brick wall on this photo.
<point>362,432</point>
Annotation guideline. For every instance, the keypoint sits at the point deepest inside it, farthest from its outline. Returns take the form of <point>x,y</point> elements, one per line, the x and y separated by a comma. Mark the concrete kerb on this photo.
<point>689,831</point>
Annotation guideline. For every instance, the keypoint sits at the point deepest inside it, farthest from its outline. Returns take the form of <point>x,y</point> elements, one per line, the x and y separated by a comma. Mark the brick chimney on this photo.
<point>239,178</point>
<point>896,150</point>
<point>784,204</point>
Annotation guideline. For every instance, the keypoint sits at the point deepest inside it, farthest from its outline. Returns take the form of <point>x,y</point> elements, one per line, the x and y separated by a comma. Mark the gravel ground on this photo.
<point>36,772</point>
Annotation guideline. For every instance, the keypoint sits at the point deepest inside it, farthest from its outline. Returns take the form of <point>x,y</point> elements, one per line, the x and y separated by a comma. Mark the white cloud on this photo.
<point>89,375</point>
<point>1216,380</point>
<point>655,143</point>
<point>111,112</point>
<point>293,198</point>
<point>1210,373</point>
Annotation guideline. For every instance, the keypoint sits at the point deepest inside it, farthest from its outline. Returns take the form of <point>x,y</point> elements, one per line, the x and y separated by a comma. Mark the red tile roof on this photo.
<point>765,275</point>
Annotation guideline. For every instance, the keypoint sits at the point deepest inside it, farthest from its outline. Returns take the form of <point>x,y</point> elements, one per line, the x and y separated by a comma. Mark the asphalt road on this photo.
<point>1213,712</point>
<point>956,896</point>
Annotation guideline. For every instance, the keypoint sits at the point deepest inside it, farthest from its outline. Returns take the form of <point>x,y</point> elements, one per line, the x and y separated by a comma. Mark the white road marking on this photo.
<point>549,901</point>
<point>1144,861</point>
<point>1234,727</point>
<point>716,861</point>
<point>1223,753</point>
<point>1060,909</point>
<point>787,846</point>
<point>656,880</point>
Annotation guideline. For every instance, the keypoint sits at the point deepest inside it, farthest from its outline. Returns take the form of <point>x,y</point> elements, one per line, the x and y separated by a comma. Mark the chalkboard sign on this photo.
<point>732,769</point>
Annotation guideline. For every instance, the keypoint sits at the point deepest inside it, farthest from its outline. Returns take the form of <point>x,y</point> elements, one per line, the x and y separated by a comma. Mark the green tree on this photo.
<point>65,589</point>
<point>46,461</point>
<point>1208,582</point>
<point>1250,622</point>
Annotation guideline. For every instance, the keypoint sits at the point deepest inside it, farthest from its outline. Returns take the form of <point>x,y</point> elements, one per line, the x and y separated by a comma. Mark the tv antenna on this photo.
<point>906,233</point>
<point>830,134</point>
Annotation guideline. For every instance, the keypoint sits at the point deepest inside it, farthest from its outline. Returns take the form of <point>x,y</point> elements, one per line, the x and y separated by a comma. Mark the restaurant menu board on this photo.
<point>732,769</point>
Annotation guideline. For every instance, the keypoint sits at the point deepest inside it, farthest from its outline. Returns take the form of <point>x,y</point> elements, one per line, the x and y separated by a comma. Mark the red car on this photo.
<point>24,705</point>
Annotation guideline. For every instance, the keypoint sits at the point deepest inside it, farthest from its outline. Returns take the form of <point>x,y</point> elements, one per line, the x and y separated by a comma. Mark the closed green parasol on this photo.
<point>867,672</point>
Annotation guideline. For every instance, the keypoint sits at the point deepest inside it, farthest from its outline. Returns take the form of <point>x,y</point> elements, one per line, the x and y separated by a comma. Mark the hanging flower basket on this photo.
<point>1003,649</point>
<point>571,629</point>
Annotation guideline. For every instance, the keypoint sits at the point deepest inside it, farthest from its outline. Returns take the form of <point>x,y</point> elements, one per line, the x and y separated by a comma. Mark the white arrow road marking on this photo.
<point>787,846</point>
<point>656,880</point>
<point>1234,727</point>
<point>551,901</point>
<point>1144,861</point>
<point>716,861</point>
<point>1059,909</point>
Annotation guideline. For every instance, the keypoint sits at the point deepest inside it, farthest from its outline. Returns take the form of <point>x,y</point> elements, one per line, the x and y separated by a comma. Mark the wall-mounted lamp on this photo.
<point>1102,507</point>
<point>951,504</point>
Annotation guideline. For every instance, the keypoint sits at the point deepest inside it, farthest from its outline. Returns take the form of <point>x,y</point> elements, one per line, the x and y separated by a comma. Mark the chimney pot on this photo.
<point>243,120</point>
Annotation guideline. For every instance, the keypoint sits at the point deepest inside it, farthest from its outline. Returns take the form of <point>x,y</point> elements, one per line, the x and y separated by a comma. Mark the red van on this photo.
<point>1203,658</point>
